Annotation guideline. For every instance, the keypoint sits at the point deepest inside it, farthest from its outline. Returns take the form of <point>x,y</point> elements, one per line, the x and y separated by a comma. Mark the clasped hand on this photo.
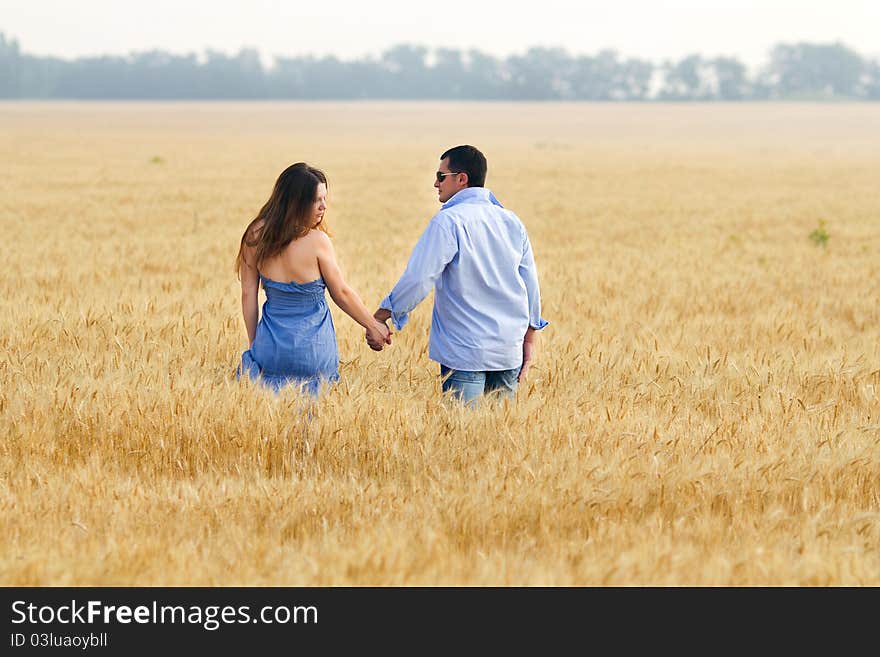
<point>378,336</point>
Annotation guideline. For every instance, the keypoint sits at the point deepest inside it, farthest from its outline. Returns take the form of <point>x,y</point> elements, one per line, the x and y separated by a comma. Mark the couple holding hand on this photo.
<point>475,254</point>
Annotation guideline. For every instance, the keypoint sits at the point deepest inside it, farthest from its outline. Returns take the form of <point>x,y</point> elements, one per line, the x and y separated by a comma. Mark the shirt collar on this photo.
<point>472,195</point>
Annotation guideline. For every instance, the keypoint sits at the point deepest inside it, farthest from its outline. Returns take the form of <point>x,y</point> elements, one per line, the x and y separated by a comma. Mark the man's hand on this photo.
<point>528,353</point>
<point>378,336</point>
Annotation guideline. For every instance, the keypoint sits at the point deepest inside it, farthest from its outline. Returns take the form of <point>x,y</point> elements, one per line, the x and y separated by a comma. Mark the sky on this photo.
<point>656,30</point>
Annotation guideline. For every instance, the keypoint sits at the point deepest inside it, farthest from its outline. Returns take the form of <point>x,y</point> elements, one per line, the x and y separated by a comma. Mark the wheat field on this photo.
<point>704,408</point>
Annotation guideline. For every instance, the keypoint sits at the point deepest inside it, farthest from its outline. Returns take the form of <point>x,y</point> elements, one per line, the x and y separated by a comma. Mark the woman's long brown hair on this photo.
<point>286,216</point>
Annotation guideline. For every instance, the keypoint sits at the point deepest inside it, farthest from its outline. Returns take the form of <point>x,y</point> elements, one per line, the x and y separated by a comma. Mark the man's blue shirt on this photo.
<point>478,258</point>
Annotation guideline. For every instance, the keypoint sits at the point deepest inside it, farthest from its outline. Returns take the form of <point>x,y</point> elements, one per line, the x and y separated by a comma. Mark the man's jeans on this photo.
<point>468,386</point>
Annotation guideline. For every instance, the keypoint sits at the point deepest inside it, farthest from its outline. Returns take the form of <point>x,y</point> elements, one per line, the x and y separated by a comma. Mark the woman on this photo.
<point>287,249</point>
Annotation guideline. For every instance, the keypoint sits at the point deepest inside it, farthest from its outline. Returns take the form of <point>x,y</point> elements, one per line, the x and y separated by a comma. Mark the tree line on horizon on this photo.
<point>800,71</point>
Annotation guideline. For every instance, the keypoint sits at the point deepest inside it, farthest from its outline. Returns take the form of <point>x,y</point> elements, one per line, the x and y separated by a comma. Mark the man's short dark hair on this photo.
<point>469,160</point>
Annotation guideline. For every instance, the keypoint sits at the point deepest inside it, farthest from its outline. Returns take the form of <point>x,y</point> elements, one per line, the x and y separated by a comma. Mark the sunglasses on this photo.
<point>441,175</point>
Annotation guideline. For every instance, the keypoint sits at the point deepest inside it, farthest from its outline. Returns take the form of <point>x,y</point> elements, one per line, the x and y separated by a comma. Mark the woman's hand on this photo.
<point>378,335</point>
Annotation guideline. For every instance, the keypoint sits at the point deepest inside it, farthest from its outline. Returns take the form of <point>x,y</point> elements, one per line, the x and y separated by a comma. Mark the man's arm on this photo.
<point>529,273</point>
<point>528,352</point>
<point>435,249</point>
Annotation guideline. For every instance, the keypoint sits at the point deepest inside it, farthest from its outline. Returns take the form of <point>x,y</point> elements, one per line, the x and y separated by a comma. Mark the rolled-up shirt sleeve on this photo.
<point>529,273</point>
<point>435,249</point>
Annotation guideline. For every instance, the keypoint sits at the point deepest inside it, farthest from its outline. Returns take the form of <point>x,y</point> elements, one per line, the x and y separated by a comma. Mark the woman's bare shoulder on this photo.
<point>318,237</point>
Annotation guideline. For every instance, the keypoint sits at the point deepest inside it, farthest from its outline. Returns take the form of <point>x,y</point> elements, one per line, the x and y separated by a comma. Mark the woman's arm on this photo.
<point>250,294</point>
<point>344,296</point>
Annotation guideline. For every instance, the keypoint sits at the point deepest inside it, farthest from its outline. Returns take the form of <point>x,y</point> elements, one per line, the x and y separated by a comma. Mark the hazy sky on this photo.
<point>652,29</point>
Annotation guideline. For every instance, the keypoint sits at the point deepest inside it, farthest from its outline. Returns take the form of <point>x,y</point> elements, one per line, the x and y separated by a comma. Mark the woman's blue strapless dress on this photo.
<point>296,339</point>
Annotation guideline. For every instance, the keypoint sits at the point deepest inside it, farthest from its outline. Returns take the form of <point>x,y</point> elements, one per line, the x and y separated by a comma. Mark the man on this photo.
<point>487,303</point>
